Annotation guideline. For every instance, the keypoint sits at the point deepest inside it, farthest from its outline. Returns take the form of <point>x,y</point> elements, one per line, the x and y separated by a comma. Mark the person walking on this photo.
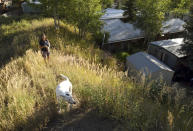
<point>45,47</point>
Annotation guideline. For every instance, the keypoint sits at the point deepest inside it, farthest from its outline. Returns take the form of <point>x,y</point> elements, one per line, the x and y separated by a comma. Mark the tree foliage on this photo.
<point>85,15</point>
<point>106,3</point>
<point>147,15</point>
<point>188,39</point>
<point>130,10</point>
<point>150,16</point>
<point>82,14</point>
<point>179,7</point>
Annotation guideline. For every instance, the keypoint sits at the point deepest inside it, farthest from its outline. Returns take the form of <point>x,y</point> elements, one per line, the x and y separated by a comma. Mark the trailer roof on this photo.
<point>147,63</point>
<point>172,45</point>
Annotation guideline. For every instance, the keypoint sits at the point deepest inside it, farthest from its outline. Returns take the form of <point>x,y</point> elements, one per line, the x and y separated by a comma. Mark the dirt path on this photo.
<point>83,121</point>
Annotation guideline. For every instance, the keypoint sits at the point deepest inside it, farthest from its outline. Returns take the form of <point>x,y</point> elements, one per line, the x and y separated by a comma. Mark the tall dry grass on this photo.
<point>28,93</point>
<point>24,33</point>
<point>28,84</point>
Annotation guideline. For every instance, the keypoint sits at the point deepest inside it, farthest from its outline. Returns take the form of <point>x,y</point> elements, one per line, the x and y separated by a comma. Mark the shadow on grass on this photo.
<point>15,44</point>
<point>77,120</point>
<point>39,118</point>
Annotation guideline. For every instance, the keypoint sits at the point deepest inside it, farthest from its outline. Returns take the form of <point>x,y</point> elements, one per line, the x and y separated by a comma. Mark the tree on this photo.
<point>53,8</point>
<point>106,3</point>
<point>179,7</point>
<point>84,14</point>
<point>130,10</point>
<point>188,40</point>
<point>147,15</point>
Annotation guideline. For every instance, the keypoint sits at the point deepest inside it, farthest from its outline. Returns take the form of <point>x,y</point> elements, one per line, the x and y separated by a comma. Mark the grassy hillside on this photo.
<point>22,33</point>
<point>28,85</point>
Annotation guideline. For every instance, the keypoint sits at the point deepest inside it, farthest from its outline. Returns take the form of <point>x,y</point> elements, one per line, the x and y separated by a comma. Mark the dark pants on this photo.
<point>45,53</point>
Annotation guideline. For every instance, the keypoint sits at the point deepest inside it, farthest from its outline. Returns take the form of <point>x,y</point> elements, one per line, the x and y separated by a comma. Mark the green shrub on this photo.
<point>122,56</point>
<point>99,37</point>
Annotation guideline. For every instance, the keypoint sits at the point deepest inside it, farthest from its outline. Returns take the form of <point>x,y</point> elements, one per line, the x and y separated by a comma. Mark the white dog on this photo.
<point>64,90</point>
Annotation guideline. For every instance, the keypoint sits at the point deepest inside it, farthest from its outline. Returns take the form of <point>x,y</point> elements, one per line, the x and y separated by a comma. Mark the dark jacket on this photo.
<point>45,44</point>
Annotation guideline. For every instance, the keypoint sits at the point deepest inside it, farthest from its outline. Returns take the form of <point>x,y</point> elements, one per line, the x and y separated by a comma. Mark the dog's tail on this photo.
<point>65,77</point>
